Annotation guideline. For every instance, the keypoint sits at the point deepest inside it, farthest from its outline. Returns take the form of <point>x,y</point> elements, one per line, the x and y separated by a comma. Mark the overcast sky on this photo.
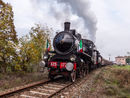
<point>106,22</point>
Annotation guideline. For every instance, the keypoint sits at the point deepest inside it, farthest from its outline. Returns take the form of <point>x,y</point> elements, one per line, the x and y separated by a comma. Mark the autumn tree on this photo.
<point>39,35</point>
<point>33,46</point>
<point>8,36</point>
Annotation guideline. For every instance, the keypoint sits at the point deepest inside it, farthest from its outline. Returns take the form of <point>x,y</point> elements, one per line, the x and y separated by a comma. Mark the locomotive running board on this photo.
<point>84,54</point>
<point>87,54</point>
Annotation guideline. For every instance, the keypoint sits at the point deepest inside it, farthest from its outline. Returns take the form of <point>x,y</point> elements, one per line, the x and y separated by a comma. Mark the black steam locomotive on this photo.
<point>72,56</point>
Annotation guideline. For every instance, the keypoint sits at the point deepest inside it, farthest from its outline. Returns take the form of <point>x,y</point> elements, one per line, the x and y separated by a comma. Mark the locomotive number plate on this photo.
<point>53,64</point>
<point>62,64</point>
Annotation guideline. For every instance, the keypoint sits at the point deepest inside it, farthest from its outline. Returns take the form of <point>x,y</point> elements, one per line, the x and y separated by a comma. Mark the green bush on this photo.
<point>8,69</point>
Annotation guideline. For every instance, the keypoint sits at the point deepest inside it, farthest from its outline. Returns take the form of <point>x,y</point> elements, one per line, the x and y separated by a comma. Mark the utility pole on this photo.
<point>128,57</point>
<point>109,57</point>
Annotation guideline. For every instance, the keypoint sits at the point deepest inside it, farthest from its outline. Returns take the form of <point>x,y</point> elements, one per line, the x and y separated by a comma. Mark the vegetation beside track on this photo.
<point>126,67</point>
<point>112,82</point>
<point>19,57</point>
<point>10,81</point>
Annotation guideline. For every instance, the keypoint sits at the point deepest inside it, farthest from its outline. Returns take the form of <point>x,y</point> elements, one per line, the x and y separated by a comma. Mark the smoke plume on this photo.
<point>61,15</point>
<point>75,11</point>
<point>82,9</point>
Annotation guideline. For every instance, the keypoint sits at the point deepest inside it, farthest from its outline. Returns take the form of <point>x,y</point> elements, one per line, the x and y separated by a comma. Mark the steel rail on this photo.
<point>63,88</point>
<point>59,90</point>
<point>36,84</point>
<point>23,88</point>
<point>67,86</point>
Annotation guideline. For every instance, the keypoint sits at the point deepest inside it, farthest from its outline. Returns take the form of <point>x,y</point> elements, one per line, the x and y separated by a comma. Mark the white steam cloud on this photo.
<point>75,11</point>
<point>82,9</point>
<point>61,15</point>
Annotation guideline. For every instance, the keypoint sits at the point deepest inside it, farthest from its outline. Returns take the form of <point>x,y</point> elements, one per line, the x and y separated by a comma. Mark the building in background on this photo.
<point>120,60</point>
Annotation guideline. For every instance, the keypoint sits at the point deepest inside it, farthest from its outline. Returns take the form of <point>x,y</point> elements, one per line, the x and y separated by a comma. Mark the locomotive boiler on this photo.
<point>72,56</point>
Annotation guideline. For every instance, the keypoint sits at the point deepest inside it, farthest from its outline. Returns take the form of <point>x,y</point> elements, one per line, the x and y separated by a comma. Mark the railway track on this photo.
<point>44,89</point>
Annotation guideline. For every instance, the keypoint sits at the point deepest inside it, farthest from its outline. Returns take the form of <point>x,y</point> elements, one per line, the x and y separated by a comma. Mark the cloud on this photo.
<point>112,35</point>
<point>113,27</point>
<point>82,9</point>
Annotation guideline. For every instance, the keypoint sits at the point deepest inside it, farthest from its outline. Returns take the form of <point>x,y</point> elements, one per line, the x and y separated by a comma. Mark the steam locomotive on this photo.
<point>72,56</point>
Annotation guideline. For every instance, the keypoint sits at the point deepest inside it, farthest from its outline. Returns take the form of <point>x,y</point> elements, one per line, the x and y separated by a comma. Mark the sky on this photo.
<point>106,22</point>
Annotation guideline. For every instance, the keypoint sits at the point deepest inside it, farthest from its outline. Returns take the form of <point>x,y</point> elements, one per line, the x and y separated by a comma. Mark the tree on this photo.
<point>39,35</point>
<point>7,28</point>
<point>128,60</point>
<point>128,53</point>
<point>7,35</point>
<point>32,46</point>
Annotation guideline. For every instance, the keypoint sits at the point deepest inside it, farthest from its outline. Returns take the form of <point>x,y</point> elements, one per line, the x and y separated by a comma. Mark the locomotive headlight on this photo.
<point>46,56</point>
<point>42,64</point>
<point>69,66</point>
<point>72,57</point>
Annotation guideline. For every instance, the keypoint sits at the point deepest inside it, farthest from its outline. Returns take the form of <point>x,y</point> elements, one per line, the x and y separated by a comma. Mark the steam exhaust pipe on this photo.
<point>66,26</point>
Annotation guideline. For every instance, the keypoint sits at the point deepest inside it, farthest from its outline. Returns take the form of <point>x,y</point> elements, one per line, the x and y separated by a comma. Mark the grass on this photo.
<point>1,76</point>
<point>113,81</point>
<point>107,82</point>
<point>126,67</point>
<point>18,80</point>
<point>8,81</point>
<point>92,90</point>
<point>6,85</point>
<point>111,90</point>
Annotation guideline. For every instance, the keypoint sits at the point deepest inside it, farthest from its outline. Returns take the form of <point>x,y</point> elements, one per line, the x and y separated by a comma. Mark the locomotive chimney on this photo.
<point>66,26</point>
